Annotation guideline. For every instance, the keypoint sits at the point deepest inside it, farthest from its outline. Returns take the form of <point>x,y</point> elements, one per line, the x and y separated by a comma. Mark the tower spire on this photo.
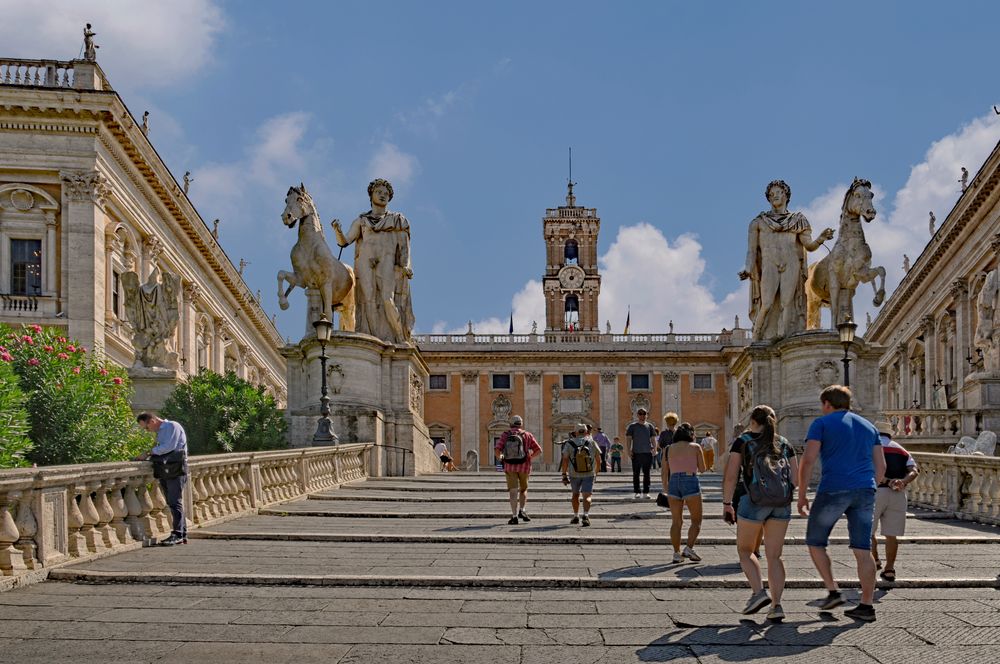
<point>570,198</point>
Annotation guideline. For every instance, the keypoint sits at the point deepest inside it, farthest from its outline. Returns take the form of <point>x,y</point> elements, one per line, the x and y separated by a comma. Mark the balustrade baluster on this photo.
<point>105,515</point>
<point>244,487</point>
<point>991,488</point>
<point>27,527</point>
<point>198,494</point>
<point>974,500</point>
<point>994,513</point>
<point>77,543</point>
<point>218,497</point>
<point>136,515</point>
<point>91,519</point>
<point>119,510</point>
<point>225,492</point>
<point>11,558</point>
<point>160,513</point>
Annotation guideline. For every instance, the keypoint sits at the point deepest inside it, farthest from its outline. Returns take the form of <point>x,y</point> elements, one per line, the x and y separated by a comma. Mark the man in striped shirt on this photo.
<point>890,499</point>
<point>516,448</point>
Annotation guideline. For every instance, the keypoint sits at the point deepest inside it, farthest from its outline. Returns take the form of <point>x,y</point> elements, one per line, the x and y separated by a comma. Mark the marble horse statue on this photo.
<point>313,264</point>
<point>833,280</point>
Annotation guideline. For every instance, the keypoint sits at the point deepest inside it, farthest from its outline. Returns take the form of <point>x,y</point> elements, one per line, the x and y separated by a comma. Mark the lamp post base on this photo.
<point>324,433</point>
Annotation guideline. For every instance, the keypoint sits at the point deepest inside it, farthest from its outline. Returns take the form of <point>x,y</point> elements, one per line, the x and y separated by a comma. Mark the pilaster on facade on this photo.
<point>469,404</point>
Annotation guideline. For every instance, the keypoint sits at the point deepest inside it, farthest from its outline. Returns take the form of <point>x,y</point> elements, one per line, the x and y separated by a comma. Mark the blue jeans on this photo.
<point>828,507</point>
<point>683,485</point>
<point>748,511</point>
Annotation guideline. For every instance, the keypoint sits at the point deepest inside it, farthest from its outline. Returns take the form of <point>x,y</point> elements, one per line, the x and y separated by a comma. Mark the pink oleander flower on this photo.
<point>48,349</point>
<point>61,340</point>
<point>102,371</point>
<point>33,362</point>
<point>63,356</point>
<point>6,357</point>
<point>28,340</point>
<point>37,329</point>
<point>82,349</point>
<point>116,380</point>
<point>76,370</point>
<point>71,348</point>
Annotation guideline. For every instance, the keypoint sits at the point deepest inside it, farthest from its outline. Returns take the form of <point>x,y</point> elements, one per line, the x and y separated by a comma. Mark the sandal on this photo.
<point>889,575</point>
<point>878,564</point>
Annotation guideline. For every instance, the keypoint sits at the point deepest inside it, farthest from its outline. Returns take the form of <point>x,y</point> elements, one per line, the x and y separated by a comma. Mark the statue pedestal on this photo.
<point>152,387</point>
<point>376,395</point>
<point>982,393</point>
<point>789,375</point>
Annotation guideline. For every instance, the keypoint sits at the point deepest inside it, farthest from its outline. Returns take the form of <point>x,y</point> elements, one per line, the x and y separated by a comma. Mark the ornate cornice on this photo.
<point>85,186</point>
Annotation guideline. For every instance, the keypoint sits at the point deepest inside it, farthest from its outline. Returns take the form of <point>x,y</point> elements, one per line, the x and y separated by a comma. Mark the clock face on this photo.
<point>571,276</point>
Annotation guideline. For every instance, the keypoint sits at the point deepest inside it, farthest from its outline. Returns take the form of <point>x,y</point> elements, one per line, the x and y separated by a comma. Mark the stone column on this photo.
<point>883,388</point>
<point>84,194</point>
<point>960,293</point>
<point>189,331</point>
<point>930,360</point>
<point>532,401</point>
<point>672,393</point>
<point>112,243</point>
<point>470,417</point>
<point>609,403</point>
<point>905,389</point>
<point>219,347</point>
<point>50,253</point>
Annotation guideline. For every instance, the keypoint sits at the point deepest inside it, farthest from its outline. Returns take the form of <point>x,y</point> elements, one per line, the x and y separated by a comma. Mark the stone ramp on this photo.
<point>388,573</point>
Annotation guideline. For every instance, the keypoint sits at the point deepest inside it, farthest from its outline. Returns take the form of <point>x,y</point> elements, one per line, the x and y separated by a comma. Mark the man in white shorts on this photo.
<point>890,499</point>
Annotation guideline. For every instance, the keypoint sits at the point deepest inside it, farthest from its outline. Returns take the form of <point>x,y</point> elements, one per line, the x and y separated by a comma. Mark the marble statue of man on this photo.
<point>776,266</point>
<point>153,311</point>
<point>987,337</point>
<point>381,266</point>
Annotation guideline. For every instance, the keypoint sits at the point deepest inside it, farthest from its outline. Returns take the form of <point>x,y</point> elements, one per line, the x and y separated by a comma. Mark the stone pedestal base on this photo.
<point>789,375</point>
<point>982,394</point>
<point>152,387</point>
<point>376,396</point>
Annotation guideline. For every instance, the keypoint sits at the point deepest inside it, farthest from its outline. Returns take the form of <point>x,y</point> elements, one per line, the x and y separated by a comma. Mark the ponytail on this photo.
<point>764,416</point>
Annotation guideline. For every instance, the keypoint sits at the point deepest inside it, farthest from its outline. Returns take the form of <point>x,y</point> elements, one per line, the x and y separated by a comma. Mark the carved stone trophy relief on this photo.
<point>639,401</point>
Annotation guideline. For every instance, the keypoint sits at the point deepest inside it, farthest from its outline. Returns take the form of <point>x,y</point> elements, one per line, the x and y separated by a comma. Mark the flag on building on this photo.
<point>511,330</point>
<point>628,320</point>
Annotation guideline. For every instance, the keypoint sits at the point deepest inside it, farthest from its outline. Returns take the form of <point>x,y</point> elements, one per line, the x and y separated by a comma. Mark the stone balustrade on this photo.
<point>924,422</point>
<point>41,73</point>
<point>597,340</point>
<point>966,486</point>
<point>54,515</point>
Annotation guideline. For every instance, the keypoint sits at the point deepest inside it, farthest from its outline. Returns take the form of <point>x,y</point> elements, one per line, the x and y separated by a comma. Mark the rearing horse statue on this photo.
<point>313,263</point>
<point>833,280</point>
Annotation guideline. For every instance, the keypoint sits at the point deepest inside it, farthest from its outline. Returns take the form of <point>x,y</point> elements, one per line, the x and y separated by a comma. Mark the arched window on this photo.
<point>571,320</point>
<point>571,252</point>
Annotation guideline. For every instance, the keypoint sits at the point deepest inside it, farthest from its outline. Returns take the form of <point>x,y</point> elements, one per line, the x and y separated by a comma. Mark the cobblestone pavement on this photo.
<point>427,570</point>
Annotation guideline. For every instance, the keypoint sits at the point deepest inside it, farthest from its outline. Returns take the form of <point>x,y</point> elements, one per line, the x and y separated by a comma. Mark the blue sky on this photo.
<point>678,115</point>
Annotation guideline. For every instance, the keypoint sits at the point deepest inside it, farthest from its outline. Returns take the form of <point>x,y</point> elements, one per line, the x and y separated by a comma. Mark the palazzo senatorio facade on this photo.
<point>573,372</point>
<point>84,198</point>
<point>935,383</point>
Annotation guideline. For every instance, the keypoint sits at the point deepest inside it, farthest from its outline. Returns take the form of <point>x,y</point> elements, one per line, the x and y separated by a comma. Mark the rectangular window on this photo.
<point>572,382</point>
<point>501,381</point>
<point>116,290</point>
<point>25,267</point>
<point>438,381</point>
<point>702,381</point>
<point>639,381</point>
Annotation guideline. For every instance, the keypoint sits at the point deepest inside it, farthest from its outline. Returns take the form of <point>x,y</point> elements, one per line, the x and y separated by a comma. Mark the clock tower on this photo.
<point>571,282</point>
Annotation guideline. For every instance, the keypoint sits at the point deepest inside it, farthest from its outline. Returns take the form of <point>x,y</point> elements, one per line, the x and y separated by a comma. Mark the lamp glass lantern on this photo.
<point>846,328</point>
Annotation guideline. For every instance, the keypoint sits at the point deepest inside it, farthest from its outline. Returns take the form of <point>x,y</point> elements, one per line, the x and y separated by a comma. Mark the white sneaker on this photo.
<point>678,557</point>
<point>646,496</point>
<point>637,496</point>
<point>690,554</point>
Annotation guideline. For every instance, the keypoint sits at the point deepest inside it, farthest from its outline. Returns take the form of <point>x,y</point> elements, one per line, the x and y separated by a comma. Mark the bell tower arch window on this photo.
<point>571,253</point>
<point>571,318</point>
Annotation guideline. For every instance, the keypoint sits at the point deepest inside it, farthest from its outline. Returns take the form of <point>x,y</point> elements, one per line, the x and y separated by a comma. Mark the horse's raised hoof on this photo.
<point>283,303</point>
<point>879,297</point>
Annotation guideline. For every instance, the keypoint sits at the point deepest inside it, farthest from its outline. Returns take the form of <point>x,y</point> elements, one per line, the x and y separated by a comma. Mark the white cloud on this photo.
<point>142,45</point>
<point>394,165</point>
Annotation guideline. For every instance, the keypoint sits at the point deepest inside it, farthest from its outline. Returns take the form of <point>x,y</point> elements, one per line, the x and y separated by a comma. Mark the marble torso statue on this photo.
<point>153,312</point>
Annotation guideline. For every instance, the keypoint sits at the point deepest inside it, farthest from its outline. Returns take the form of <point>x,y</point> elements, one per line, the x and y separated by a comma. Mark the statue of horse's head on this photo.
<point>298,204</point>
<point>858,200</point>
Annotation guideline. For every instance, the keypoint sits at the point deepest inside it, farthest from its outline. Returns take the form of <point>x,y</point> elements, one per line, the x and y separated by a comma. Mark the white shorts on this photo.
<point>890,509</point>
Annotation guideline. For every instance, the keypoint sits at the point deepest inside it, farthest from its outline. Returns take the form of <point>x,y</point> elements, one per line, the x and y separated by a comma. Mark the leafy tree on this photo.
<point>224,413</point>
<point>14,441</point>
<point>77,402</point>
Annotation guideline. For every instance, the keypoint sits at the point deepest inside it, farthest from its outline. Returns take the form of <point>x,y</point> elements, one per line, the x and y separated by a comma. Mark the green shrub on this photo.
<point>14,441</point>
<point>224,413</point>
<point>77,402</point>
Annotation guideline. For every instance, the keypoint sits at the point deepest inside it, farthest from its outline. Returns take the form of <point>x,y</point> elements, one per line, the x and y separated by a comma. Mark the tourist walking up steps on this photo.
<point>890,499</point>
<point>616,455</point>
<point>170,468</point>
<point>852,466</point>
<point>580,466</point>
<point>516,449</point>
<point>682,462</point>
<point>602,442</point>
<point>764,463</point>
<point>639,439</point>
<point>665,437</point>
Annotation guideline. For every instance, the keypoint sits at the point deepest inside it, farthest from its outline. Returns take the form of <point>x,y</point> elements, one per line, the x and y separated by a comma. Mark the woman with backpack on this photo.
<point>764,464</point>
<point>682,461</point>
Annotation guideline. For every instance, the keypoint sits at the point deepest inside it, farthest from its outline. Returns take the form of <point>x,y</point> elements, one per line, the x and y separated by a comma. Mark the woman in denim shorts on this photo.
<point>760,438</point>
<point>682,461</point>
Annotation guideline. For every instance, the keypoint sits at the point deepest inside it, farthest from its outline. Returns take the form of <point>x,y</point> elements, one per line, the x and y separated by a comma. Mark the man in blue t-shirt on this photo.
<point>852,466</point>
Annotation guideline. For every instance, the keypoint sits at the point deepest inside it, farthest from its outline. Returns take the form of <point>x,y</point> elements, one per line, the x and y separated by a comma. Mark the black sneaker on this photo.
<point>832,601</point>
<point>575,520</point>
<point>523,517</point>
<point>864,612</point>
<point>585,521</point>
<point>172,540</point>
<point>513,521</point>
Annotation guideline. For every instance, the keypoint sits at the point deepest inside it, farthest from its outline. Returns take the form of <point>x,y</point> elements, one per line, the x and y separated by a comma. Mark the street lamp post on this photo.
<point>324,427</point>
<point>846,329</point>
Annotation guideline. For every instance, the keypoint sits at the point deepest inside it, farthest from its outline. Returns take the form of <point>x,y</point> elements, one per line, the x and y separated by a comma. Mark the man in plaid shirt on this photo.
<point>517,473</point>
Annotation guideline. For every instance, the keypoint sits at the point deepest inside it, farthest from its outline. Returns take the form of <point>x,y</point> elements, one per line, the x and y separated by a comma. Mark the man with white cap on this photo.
<point>516,448</point>
<point>890,498</point>
<point>581,461</point>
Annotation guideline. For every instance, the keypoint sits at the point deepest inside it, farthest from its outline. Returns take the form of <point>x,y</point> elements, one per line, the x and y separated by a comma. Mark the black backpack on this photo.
<point>770,482</point>
<point>514,448</point>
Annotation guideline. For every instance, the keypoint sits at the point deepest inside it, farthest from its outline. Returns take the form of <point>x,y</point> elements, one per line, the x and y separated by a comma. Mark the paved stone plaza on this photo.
<point>427,570</point>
